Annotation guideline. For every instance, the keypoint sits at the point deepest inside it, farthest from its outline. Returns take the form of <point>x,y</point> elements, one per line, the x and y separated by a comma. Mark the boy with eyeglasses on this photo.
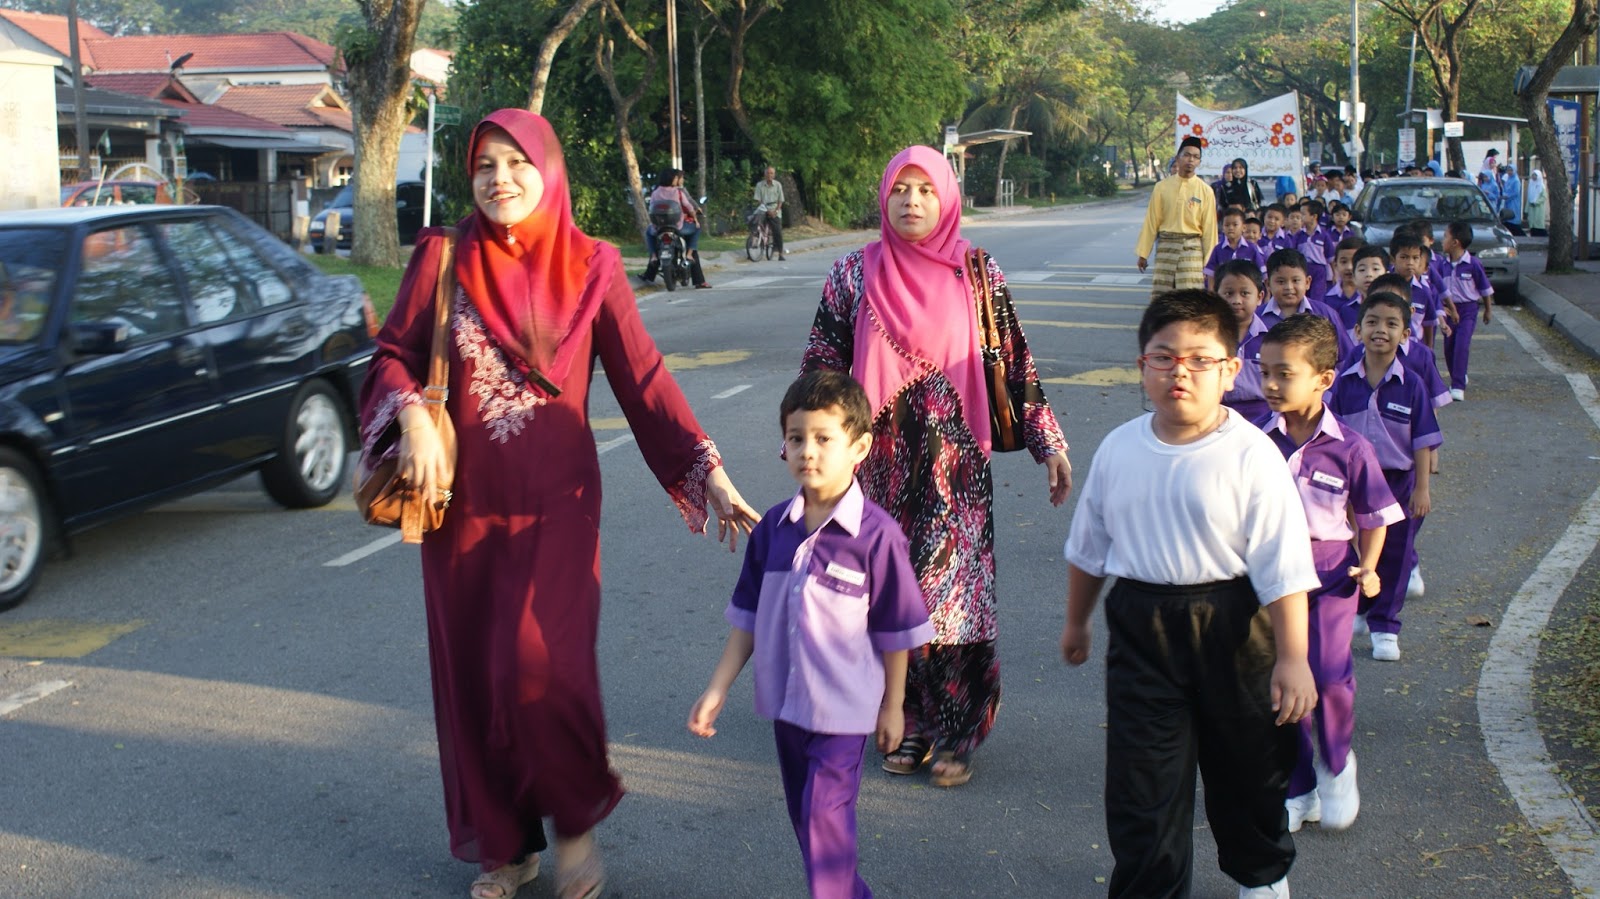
<point>1192,509</point>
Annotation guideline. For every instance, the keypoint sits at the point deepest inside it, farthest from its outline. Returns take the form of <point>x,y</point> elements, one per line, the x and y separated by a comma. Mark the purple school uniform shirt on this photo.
<point>1438,272</point>
<point>1337,473</point>
<point>1417,359</point>
<point>1465,280</point>
<point>1396,418</point>
<point>823,608</point>
<point>1346,308</point>
<point>1225,252</point>
<point>1424,307</point>
<point>1271,313</point>
<point>1246,396</point>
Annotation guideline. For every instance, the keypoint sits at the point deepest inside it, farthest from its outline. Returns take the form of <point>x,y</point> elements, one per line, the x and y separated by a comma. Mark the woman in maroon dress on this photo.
<point>899,315</point>
<point>512,579</point>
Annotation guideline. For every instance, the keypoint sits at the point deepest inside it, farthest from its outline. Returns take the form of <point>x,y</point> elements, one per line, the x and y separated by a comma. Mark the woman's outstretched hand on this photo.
<point>1059,471</point>
<point>733,513</point>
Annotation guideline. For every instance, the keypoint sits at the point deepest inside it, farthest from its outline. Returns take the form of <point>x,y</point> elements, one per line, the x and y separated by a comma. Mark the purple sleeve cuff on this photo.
<point>742,619</point>
<point>1440,400</point>
<point>1390,514</point>
<point>1428,441</point>
<point>894,641</point>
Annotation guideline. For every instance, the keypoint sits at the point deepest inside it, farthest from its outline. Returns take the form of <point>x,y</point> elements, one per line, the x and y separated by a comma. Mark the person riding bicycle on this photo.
<point>670,187</point>
<point>769,196</point>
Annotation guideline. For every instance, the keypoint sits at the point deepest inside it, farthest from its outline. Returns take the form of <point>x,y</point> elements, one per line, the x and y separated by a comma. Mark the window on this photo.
<point>216,290</point>
<point>266,285</point>
<point>29,260</point>
<point>124,280</point>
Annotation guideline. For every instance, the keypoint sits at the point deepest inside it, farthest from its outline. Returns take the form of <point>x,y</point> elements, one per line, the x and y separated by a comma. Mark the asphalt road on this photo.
<point>249,721</point>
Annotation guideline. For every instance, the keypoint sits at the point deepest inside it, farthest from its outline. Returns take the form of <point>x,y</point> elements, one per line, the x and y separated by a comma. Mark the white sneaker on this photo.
<point>1457,394</point>
<point>1414,587</point>
<point>1279,890</point>
<point>1386,647</point>
<point>1358,625</point>
<point>1341,800</point>
<point>1305,809</point>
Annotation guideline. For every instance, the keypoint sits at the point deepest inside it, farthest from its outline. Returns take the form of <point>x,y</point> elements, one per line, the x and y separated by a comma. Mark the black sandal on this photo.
<point>912,754</point>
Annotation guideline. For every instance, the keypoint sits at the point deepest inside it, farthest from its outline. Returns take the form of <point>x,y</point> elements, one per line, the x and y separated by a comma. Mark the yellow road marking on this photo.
<point>608,424</point>
<point>686,361</point>
<point>1095,326</point>
<point>59,638</point>
<point>1099,377</point>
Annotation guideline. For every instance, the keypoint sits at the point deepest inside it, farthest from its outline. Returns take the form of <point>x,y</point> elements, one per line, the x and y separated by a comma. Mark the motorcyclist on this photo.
<point>670,187</point>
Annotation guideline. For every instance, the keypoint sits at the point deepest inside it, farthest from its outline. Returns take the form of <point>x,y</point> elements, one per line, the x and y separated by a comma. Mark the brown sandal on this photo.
<point>503,882</point>
<point>960,762</point>
<point>585,881</point>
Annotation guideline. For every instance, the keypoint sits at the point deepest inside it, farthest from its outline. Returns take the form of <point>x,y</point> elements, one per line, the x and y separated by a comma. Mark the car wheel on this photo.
<point>1510,295</point>
<point>24,528</point>
<point>309,470</point>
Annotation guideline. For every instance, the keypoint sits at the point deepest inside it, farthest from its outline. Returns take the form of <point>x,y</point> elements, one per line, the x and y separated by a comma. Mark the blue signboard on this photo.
<point>1564,115</point>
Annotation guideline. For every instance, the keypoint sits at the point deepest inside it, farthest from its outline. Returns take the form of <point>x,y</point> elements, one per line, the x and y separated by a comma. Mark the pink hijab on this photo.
<point>918,313</point>
<point>538,284</point>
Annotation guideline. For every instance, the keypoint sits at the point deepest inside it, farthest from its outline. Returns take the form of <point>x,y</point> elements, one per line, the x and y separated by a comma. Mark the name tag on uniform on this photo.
<point>1328,479</point>
<point>1396,407</point>
<point>856,578</point>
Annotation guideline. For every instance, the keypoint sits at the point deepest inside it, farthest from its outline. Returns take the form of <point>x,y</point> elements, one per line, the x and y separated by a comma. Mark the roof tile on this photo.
<point>212,52</point>
<point>52,31</point>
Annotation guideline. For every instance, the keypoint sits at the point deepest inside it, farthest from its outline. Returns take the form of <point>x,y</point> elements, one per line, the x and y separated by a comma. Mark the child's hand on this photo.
<point>1444,326</point>
<point>891,727</point>
<point>1486,307</point>
<point>705,712</point>
<point>1294,692</point>
<point>1421,503</point>
<point>1075,642</point>
<point>1366,579</point>
<point>1452,313</point>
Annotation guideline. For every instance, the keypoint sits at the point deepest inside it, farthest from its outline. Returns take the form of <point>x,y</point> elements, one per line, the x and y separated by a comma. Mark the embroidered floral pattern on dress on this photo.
<point>505,401</point>
<point>381,419</point>
<point>690,493</point>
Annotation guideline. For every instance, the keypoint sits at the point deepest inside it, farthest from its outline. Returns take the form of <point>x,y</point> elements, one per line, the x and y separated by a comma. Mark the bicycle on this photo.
<point>758,245</point>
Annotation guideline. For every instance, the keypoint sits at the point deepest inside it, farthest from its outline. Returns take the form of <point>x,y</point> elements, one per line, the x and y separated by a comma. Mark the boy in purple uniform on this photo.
<point>1232,246</point>
<point>1413,355</point>
<point>1383,402</point>
<point>1468,288</point>
<point>1410,262</point>
<point>1252,230</point>
<point>1343,298</point>
<point>1337,473</point>
<point>829,605</point>
<point>1311,246</point>
<point>1192,510</point>
<point>1273,236</point>
<point>1287,283</point>
<point>1339,222</point>
<point>1239,283</point>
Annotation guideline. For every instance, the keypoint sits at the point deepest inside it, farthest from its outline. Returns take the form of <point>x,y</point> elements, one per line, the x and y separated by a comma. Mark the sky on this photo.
<point>1185,10</point>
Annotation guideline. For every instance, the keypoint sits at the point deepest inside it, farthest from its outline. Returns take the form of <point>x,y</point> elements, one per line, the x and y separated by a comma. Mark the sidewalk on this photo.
<point>1568,303</point>
<point>724,259</point>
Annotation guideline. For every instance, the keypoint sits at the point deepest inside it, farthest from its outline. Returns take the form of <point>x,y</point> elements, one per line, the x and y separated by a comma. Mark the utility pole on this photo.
<point>80,123</point>
<point>427,169</point>
<point>672,82</point>
<point>1355,86</point>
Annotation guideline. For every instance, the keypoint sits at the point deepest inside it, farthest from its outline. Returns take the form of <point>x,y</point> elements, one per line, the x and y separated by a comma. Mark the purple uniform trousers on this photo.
<point>1332,608</point>
<point>1398,558</point>
<point>821,778</point>
<point>1458,343</point>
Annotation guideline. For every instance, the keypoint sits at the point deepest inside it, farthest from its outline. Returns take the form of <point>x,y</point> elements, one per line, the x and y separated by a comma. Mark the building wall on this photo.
<point>30,178</point>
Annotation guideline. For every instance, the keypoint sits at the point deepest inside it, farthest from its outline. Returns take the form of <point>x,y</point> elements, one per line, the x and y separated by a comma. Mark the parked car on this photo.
<point>1387,203</point>
<point>150,352</point>
<point>407,206</point>
<point>115,193</point>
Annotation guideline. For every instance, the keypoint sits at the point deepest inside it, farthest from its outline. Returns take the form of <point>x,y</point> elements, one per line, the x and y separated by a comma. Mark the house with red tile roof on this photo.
<point>42,33</point>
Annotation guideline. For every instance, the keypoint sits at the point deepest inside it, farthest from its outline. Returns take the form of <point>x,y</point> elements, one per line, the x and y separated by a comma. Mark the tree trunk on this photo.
<point>604,51</point>
<point>1005,147</point>
<point>700,110</point>
<point>736,31</point>
<point>380,84</point>
<point>1558,188</point>
<point>547,51</point>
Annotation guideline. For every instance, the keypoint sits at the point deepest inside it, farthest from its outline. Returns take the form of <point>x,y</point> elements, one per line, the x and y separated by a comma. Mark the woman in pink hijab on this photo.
<point>900,316</point>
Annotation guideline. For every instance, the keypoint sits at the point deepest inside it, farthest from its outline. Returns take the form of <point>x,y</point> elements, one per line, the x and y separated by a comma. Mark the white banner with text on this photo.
<point>1266,136</point>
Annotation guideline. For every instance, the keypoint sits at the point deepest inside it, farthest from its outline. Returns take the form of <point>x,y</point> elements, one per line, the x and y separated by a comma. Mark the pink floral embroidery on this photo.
<point>505,402</point>
<point>381,420</point>
<point>690,494</point>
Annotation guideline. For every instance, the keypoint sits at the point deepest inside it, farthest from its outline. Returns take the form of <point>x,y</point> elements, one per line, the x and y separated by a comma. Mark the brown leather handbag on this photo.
<point>384,498</point>
<point>1005,407</point>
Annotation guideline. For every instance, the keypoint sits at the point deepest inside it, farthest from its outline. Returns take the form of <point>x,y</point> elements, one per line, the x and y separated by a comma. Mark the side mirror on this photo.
<point>99,338</point>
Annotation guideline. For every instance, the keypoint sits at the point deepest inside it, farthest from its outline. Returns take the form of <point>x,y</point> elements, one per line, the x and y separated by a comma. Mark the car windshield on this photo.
<point>344,198</point>
<point>30,260</point>
<point>1439,202</point>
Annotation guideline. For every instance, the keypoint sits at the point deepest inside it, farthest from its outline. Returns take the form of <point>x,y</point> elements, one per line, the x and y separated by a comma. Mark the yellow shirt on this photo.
<point>1181,205</point>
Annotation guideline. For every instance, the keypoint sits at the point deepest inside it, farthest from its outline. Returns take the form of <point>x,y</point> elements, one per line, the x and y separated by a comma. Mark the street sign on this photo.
<point>1344,111</point>
<point>1454,129</point>
<point>446,115</point>
<point>1435,118</point>
<point>1408,146</point>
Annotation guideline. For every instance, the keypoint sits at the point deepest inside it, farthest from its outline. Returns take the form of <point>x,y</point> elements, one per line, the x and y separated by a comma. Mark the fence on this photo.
<point>268,204</point>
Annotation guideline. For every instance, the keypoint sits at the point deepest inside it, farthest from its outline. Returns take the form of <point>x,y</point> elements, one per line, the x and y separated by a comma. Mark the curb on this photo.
<point>1573,323</point>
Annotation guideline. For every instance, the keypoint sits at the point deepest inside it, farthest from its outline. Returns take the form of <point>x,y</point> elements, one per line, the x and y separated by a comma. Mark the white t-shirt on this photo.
<point>1213,510</point>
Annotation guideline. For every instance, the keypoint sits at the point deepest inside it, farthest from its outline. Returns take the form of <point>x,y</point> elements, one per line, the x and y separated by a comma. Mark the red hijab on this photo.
<point>918,314</point>
<point>537,284</point>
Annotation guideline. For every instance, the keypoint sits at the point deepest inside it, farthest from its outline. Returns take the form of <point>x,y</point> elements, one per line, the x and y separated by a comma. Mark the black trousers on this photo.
<point>776,221</point>
<point>1188,681</point>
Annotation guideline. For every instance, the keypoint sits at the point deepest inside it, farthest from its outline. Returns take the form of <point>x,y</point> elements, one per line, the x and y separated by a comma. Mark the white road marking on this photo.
<point>1029,277</point>
<point>1119,279</point>
<point>32,694</point>
<point>1093,326</point>
<point>612,444</point>
<point>1505,684</point>
<point>356,555</point>
<point>731,391</point>
<point>737,283</point>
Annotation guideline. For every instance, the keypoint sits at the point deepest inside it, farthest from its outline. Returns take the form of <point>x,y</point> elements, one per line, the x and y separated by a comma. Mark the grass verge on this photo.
<point>1567,687</point>
<point>381,283</point>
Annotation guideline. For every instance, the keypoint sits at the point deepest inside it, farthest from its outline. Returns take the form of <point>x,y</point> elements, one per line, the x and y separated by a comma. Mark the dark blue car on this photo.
<point>147,353</point>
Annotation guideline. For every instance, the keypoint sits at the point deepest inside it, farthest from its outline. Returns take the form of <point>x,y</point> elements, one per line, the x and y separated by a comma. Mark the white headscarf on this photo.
<point>1535,187</point>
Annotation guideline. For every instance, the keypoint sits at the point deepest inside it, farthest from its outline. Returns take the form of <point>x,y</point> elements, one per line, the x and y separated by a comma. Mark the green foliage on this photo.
<point>1094,181</point>
<point>115,17</point>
